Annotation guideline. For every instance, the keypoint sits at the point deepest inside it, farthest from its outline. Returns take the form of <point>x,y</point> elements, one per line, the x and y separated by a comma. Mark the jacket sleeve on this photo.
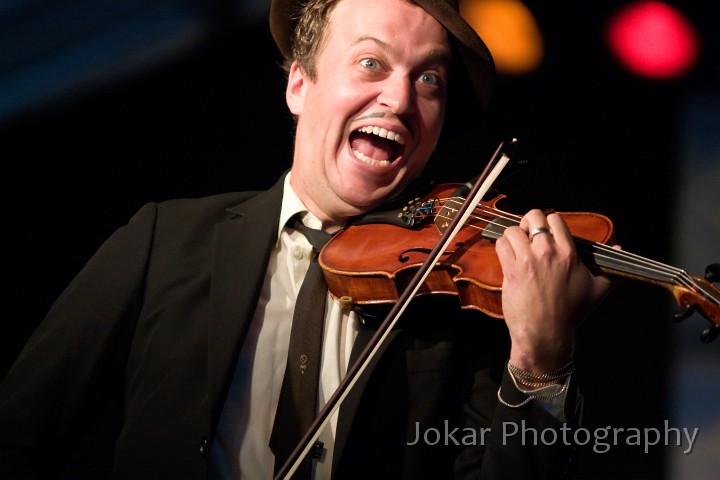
<point>65,373</point>
<point>519,439</point>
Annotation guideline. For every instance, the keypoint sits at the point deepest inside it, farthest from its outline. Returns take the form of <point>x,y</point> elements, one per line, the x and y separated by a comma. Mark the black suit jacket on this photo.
<point>145,339</point>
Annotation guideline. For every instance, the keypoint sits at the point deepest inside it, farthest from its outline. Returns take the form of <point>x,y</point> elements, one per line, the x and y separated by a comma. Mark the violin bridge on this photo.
<point>494,226</point>
<point>447,213</point>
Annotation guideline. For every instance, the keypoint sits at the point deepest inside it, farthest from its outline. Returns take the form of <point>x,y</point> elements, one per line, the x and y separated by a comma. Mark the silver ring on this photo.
<point>537,231</point>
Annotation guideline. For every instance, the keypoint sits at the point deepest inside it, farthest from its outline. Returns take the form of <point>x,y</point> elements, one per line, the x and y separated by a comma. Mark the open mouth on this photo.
<point>376,146</point>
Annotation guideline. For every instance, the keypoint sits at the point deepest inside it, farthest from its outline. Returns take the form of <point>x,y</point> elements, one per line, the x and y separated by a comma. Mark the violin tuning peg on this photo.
<point>712,272</point>
<point>710,334</point>
<point>684,312</point>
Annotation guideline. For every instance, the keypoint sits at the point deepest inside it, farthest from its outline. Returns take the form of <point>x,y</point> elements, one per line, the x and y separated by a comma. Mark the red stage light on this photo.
<point>653,39</point>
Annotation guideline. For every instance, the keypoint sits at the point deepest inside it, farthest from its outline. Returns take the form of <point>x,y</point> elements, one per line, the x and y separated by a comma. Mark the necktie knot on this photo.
<point>317,238</point>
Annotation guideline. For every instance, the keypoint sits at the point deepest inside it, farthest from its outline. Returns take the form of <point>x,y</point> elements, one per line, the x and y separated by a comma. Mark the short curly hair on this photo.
<point>307,41</point>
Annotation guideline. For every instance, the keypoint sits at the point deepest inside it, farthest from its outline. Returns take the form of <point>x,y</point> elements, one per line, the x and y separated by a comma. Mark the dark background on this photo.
<point>92,128</point>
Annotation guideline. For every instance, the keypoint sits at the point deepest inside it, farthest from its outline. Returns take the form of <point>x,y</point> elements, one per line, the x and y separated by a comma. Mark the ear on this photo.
<point>295,91</point>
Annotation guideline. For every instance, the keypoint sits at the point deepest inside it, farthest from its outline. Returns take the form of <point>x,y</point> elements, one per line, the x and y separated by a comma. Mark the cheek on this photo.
<point>433,113</point>
<point>439,115</point>
<point>338,102</point>
<point>352,97</point>
<point>433,126</point>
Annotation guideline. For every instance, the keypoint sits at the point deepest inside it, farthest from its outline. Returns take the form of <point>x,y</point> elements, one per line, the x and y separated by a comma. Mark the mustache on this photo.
<point>370,115</point>
<point>380,115</point>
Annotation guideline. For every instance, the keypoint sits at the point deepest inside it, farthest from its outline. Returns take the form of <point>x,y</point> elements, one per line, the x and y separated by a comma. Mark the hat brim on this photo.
<point>475,56</point>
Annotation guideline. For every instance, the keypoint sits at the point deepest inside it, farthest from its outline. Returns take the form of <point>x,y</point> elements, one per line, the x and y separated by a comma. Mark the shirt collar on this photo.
<point>291,205</point>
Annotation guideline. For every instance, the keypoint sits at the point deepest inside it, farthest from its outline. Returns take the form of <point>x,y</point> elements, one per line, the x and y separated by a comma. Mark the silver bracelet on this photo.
<point>524,402</point>
<point>561,372</point>
<point>531,396</point>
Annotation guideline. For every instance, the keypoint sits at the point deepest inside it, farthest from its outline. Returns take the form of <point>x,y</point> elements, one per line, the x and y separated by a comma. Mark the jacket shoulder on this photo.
<point>204,205</point>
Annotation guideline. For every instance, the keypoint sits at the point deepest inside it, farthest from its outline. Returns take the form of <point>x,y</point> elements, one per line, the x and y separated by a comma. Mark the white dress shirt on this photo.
<point>240,449</point>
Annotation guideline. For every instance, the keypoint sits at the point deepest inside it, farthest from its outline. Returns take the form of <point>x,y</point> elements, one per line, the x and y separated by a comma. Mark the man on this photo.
<point>181,322</point>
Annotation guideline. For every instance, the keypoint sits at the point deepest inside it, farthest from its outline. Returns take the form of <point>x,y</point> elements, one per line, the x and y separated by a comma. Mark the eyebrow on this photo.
<point>377,41</point>
<point>443,54</point>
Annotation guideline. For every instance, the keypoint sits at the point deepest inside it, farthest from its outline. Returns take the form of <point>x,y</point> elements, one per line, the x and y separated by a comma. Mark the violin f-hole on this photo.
<point>404,257</point>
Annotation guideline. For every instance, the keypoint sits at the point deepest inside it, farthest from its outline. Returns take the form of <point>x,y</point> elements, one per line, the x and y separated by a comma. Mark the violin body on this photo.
<point>373,263</point>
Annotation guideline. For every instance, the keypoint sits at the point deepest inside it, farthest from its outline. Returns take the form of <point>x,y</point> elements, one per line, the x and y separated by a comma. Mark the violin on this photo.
<point>368,264</point>
<point>443,243</point>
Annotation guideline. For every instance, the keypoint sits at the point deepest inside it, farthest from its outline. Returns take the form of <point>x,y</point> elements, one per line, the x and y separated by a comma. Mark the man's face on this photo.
<point>370,120</point>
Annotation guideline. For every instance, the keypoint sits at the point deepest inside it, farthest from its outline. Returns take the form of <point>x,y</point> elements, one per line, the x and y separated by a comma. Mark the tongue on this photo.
<point>372,146</point>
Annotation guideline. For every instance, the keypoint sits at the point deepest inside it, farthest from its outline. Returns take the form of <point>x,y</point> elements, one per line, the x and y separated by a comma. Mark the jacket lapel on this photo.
<point>241,249</point>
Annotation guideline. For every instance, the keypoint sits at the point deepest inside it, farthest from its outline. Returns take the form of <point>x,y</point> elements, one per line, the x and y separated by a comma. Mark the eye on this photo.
<point>369,63</point>
<point>429,79</point>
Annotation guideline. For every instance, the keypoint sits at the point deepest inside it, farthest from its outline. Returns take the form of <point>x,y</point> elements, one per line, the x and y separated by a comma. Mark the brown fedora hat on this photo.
<point>475,55</point>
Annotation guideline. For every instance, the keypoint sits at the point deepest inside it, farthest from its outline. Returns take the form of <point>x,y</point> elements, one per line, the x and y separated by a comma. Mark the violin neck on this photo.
<point>629,265</point>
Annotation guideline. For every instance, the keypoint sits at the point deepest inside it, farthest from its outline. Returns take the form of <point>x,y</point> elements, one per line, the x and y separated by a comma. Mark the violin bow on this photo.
<point>492,170</point>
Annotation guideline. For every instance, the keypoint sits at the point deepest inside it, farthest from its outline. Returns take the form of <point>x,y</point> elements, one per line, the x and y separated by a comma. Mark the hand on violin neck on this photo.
<point>546,291</point>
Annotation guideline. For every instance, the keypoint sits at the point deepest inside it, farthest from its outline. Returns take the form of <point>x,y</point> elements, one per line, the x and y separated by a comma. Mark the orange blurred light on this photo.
<point>653,40</point>
<point>509,30</point>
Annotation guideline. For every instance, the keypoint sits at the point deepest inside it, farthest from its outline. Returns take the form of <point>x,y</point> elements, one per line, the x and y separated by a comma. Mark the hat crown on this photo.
<point>474,53</point>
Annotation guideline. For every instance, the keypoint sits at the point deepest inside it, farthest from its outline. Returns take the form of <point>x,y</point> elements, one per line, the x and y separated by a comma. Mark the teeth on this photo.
<point>383,133</point>
<point>371,161</point>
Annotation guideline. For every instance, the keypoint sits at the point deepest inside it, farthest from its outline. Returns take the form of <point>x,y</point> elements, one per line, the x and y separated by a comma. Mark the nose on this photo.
<point>397,94</point>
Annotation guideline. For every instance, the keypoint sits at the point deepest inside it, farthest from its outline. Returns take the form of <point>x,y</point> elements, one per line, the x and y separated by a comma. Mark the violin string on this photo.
<point>676,275</point>
<point>620,260</point>
<point>611,254</point>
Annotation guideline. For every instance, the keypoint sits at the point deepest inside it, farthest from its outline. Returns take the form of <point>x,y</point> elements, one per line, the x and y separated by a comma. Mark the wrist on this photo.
<point>537,386</point>
<point>532,381</point>
<point>540,361</point>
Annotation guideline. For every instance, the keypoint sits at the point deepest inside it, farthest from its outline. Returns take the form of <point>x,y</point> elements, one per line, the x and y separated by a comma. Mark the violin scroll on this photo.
<point>704,299</point>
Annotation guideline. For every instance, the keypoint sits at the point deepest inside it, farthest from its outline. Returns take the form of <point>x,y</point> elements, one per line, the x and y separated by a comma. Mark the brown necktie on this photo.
<point>298,395</point>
